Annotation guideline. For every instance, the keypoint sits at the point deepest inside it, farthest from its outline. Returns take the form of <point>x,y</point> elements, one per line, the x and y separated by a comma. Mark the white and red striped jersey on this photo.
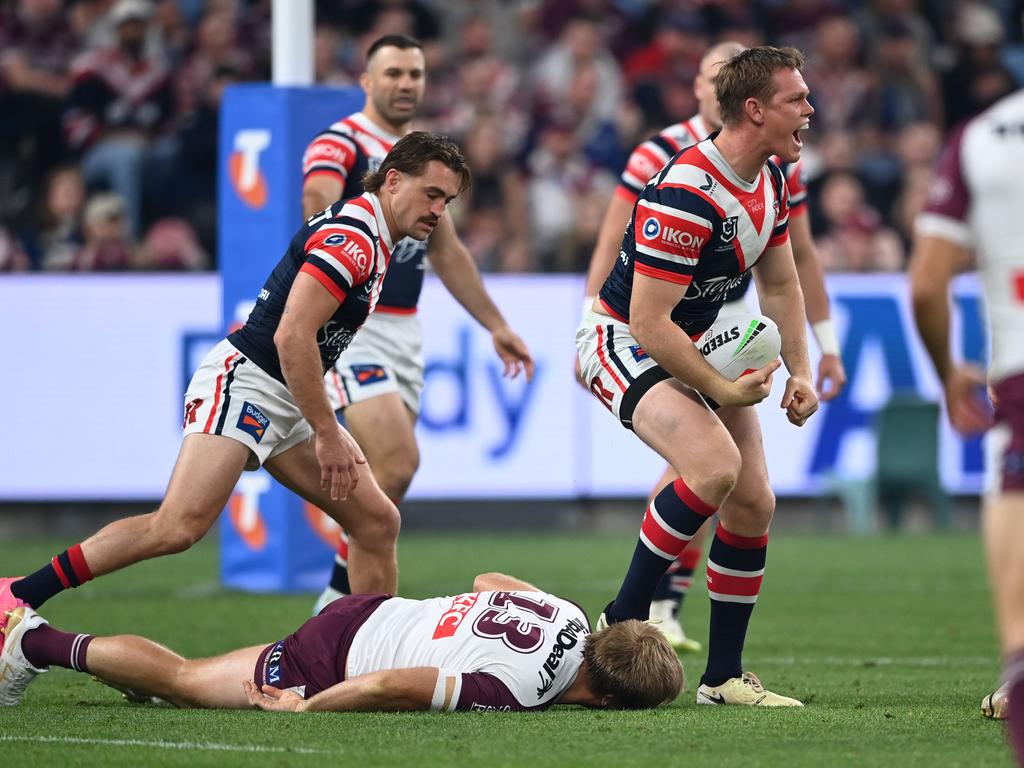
<point>347,249</point>
<point>500,650</point>
<point>976,201</point>
<point>698,224</point>
<point>344,152</point>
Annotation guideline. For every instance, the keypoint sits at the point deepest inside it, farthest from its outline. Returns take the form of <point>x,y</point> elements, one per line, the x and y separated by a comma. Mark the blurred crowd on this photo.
<point>109,112</point>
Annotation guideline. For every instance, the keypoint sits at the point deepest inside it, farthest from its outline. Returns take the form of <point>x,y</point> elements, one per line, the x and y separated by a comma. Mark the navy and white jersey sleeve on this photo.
<point>340,253</point>
<point>672,227</point>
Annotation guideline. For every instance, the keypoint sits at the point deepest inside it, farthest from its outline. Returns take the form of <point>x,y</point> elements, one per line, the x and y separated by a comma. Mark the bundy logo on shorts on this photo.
<point>369,374</point>
<point>274,664</point>
<point>252,421</point>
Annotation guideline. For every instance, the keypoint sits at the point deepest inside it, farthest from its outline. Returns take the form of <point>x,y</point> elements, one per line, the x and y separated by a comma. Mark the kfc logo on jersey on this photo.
<point>247,180</point>
<point>451,619</point>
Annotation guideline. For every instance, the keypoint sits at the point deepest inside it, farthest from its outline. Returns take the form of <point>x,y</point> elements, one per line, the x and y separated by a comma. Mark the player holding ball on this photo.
<point>715,211</point>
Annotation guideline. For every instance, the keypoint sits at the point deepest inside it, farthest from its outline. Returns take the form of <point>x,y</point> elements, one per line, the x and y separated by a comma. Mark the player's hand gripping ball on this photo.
<point>739,344</point>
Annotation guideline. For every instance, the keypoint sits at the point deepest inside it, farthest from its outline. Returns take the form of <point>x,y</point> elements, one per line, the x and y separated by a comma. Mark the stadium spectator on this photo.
<point>108,242</point>
<point>855,238</point>
<point>906,91</point>
<point>258,398</point>
<point>480,651</point>
<point>171,245</point>
<point>975,210</point>
<point>842,88</point>
<point>121,100</point>
<point>56,242</point>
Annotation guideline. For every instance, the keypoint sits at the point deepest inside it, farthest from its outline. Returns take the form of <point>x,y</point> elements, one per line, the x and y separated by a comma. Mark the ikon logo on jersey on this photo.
<point>451,619</point>
<point>244,171</point>
<point>335,240</point>
<point>252,421</point>
<point>674,232</point>
<point>369,374</point>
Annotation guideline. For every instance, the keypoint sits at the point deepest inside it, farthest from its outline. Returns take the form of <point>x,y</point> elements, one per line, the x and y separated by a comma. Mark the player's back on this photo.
<point>531,641</point>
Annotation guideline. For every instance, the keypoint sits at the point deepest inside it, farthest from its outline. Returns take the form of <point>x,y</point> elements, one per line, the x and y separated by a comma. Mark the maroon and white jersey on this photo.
<point>506,651</point>
<point>977,201</point>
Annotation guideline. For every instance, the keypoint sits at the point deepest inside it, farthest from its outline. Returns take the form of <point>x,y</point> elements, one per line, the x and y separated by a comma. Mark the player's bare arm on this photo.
<point>494,581</point>
<point>455,266</point>
<point>650,322</point>
<point>392,690</point>
<point>319,192</point>
<point>310,305</point>
<point>933,264</point>
<point>782,300</point>
<point>812,284</point>
<point>609,239</point>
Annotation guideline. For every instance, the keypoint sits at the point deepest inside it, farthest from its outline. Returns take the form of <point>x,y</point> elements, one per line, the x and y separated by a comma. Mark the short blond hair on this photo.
<point>633,662</point>
<point>749,74</point>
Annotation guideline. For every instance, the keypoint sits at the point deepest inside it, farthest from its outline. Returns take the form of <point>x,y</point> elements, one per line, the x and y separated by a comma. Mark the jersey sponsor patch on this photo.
<point>335,240</point>
<point>451,619</point>
<point>369,374</point>
<point>252,421</point>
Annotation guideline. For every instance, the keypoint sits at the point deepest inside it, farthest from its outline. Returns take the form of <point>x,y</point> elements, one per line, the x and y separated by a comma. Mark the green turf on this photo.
<point>888,640</point>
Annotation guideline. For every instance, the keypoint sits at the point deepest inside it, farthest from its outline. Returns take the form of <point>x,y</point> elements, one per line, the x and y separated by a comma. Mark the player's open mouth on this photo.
<point>796,133</point>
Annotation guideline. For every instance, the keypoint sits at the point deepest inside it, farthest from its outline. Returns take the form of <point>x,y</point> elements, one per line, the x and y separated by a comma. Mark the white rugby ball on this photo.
<point>739,344</point>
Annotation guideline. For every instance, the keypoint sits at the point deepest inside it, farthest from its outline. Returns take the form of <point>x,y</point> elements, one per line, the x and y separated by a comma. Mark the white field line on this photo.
<point>880,661</point>
<point>184,745</point>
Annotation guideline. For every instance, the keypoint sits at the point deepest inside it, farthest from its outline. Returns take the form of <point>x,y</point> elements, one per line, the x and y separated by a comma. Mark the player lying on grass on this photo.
<point>505,646</point>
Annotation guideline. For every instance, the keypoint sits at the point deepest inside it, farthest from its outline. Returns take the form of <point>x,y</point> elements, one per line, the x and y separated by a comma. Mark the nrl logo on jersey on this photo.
<point>729,229</point>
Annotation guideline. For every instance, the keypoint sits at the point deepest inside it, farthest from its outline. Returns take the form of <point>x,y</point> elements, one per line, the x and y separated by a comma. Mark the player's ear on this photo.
<point>364,82</point>
<point>754,110</point>
<point>609,701</point>
<point>392,180</point>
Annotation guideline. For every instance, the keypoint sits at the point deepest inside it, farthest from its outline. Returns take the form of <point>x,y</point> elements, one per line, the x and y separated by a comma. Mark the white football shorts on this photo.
<point>615,367</point>
<point>385,356</point>
<point>230,395</point>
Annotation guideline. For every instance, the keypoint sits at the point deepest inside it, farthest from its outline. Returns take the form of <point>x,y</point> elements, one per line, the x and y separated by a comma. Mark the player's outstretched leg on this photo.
<point>206,472</point>
<point>735,569</point>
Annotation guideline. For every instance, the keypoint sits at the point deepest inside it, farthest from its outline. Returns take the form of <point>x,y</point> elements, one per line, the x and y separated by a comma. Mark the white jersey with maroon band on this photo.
<point>977,202</point>
<point>530,642</point>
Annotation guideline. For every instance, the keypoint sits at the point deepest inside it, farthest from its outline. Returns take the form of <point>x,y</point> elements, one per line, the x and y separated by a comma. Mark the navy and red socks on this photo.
<point>675,584</point>
<point>671,520</point>
<point>66,571</point>
<point>735,571</point>
<point>339,574</point>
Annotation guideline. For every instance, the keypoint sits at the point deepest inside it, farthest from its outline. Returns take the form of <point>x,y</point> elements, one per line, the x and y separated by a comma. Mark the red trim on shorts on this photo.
<point>216,392</point>
<point>78,564</point>
<point>612,312</point>
<point>389,310</point>
<point>338,389</point>
<point>321,277</point>
<point>741,542</point>
<point>604,359</point>
<point>691,499</point>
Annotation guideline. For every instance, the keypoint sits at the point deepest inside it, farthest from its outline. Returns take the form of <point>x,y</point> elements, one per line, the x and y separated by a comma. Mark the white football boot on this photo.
<point>745,690</point>
<point>663,616</point>
<point>997,704</point>
<point>15,671</point>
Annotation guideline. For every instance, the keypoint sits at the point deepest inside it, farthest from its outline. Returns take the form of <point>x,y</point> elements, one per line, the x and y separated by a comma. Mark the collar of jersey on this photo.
<point>370,127</point>
<point>711,153</point>
<point>382,225</point>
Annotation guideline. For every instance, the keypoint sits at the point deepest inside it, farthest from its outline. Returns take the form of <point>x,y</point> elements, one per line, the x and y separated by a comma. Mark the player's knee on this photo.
<point>175,533</point>
<point>379,529</point>
<point>720,477</point>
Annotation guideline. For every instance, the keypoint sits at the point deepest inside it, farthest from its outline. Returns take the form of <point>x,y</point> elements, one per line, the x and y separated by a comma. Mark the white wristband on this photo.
<point>825,333</point>
<point>588,303</point>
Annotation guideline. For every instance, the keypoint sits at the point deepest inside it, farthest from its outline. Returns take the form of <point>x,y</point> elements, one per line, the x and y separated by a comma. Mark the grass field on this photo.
<point>889,642</point>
